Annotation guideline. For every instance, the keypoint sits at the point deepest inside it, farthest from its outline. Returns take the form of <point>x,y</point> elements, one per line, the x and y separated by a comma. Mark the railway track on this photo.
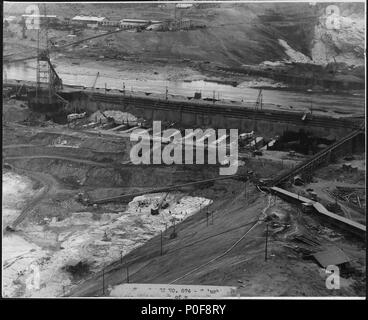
<point>164,189</point>
<point>48,185</point>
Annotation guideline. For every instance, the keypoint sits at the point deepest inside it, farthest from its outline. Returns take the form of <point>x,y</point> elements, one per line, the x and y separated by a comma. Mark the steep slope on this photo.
<point>236,33</point>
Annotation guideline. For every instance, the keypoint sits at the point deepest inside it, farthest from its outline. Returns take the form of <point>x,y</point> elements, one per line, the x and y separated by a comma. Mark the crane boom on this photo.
<point>94,82</point>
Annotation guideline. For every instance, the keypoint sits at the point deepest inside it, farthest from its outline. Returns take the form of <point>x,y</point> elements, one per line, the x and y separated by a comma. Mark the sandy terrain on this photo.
<point>45,250</point>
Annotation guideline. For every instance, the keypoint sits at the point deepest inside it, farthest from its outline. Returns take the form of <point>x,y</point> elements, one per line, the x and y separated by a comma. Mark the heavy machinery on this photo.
<point>110,121</point>
<point>74,116</point>
<point>259,101</point>
<point>48,80</point>
<point>161,205</point>
<point>83,198</point>
<point>95,81</point>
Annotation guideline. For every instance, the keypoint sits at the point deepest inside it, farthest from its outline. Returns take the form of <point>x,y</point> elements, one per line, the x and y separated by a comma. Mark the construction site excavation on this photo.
<point>183,150</point>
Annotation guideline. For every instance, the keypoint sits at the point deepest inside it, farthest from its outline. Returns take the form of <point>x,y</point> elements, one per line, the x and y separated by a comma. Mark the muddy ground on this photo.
<point>67,243</point>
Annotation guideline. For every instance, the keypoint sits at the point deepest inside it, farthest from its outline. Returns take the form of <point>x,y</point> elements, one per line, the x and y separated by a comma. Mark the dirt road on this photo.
<point>89,162</point>
<point>49,186</point>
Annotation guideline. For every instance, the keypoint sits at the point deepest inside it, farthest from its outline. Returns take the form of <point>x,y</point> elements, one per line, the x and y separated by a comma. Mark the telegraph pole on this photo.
<point>245,189</point>
<point>103,281</point>
<point>50,79</point>
<point>266,241</point>
<point>38,65</point>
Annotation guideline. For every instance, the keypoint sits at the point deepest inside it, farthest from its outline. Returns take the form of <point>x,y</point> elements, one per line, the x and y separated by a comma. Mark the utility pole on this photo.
<point>261,102</point>
<point>38,64</point>
<point>23,23</point>
<point>50,82</point>
<point>161,243</point>
<point>266,241</point>
<point>311,107</point>
<point>127,274</point>
<point>103,281</point>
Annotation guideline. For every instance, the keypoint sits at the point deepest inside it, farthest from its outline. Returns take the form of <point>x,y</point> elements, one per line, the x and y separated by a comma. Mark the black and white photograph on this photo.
<point>181,150</point>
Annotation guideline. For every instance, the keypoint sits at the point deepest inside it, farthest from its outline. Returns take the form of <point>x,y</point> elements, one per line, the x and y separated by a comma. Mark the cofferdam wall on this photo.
<point>198,114</point>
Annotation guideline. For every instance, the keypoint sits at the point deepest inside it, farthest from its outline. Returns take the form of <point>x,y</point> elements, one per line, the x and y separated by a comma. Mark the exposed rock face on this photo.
<point>235,34</point>
<point>344,41</point>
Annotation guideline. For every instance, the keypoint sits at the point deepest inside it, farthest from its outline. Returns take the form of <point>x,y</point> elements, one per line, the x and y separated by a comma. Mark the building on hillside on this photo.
<point>184,5</point>
<point>179,24</point>
<point>10,19</point>
<point>110,23</point>
<point>156,27</point>
<point>88,21</point>
<point>44,19</point>
<point>133,23</point>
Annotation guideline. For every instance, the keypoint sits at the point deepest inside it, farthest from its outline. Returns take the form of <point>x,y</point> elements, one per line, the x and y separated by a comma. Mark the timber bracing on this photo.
<point>320,158</point>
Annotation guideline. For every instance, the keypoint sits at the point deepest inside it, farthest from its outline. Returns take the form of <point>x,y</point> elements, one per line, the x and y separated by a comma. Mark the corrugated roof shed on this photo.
<point>38,16</point>
<point>139,21</point>
<point>88,18</point>
<point>332,256</point>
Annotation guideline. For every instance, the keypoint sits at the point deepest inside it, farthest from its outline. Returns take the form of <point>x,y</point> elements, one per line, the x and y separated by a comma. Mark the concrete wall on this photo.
<point>266,123</point>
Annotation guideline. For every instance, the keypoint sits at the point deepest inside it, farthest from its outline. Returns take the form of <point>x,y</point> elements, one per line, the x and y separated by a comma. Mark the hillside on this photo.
<point>236,33</point>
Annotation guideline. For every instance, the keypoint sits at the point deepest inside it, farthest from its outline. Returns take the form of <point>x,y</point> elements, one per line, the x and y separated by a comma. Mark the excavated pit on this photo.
<point>61,231</point>
<point>60,167</point>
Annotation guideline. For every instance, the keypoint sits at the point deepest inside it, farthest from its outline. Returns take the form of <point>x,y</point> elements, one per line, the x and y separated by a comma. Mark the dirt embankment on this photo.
<point>236,33</point>
<point>195,255</point>
<point>61,231</point>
